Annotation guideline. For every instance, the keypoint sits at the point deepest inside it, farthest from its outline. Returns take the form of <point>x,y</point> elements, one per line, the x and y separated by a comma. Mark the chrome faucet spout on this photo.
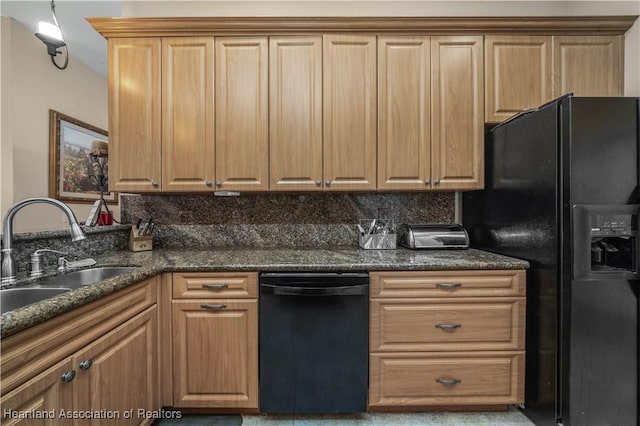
<point>8,264</point>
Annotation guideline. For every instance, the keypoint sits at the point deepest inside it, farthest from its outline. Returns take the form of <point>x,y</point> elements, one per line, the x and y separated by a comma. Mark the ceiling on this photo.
<point>85,44</point>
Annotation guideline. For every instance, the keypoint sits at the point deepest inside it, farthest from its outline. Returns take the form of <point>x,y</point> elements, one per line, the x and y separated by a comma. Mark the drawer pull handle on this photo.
<point>448,382</point>
<point>86,364</point>
<point>215,286</point>
<point>448,326</point>
<point>448,286</point>
<point>213,307</point>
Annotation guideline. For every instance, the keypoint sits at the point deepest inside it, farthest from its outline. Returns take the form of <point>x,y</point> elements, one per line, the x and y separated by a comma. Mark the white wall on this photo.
<point>632,59</point>
<point>31,85</point>
<point>6,94</point>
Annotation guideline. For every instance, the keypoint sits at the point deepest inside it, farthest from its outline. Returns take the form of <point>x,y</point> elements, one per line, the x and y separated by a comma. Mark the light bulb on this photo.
<point>50,30</point>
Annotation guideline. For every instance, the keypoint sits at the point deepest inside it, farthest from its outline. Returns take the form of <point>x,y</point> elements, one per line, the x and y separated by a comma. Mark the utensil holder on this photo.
<point>140,242</point>
<point>377,239</point>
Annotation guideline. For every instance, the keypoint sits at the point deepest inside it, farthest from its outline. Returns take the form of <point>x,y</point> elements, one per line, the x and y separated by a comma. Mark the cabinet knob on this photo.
<point>208,183</point>
<point>448,382</point>
<point>218,183</point>
<point>427,182</point>
<point>213,307</point>
<point>68,376</point>
<point>154,183</point>
<point>86,364</point>
<point>327,182</point>
<point>437,181</point>
<point>318,183</point>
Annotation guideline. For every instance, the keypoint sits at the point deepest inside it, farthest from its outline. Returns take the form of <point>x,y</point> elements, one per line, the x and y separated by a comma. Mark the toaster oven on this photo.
<point>433,236</point>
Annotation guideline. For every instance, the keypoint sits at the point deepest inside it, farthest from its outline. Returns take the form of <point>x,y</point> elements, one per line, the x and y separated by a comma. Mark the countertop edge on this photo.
<point>151,264</point>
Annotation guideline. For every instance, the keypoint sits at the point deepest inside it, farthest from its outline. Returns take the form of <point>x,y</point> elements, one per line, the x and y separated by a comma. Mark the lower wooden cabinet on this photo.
<point>437,338</point>
<point>46,393</point>
<point>215,353</point>
<point>118,373</point>
<point>215,340</point>
<point>446,338</point>
<point>94,365</point>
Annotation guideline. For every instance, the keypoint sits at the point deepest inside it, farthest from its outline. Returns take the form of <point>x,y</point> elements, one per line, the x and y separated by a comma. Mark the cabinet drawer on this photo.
<point>447,324</point>
<point>448,283</point>
<point>446,379</point>
<point>208,285</point>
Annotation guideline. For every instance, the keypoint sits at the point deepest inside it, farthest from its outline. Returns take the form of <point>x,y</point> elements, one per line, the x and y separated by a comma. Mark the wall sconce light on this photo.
<point>51,35</point>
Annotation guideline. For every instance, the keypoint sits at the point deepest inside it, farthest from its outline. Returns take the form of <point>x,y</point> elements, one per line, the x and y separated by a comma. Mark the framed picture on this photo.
<point>78,160</point>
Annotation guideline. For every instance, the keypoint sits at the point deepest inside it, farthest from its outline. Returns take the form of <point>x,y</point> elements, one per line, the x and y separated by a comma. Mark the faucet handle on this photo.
<point>36,268</point>
<point>62,264</point>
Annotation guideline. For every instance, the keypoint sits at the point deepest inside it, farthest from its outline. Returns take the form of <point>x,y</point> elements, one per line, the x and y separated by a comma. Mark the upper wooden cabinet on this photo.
<point>588,65</point>
<point>430,113</point>
<point>404,112</point>
<point>518,74</point>
<point>134,114</point>
<point>526,71</point>
<point>187,114</point>
<point>242,127</point>
<point>349,87</point>
<point>457,104</point>
<point>336,104</point>
<point>295,113</point>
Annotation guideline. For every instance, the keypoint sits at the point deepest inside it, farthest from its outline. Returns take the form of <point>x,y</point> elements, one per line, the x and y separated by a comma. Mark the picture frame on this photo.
<point>73,175</point>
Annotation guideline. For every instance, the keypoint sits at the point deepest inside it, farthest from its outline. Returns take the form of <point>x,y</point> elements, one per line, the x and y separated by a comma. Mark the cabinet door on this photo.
<point>215,353</point>
<point>295,113</point>
<point>588,65</point>
<point>119,372</point>
<point>242,128</point>
<point>404,131</point>
<point>518,74</point>
<point>349,88</point>
<point>187,114</point>
<point>46,394</point>
<point>457,124</point>
<point>134,114</point>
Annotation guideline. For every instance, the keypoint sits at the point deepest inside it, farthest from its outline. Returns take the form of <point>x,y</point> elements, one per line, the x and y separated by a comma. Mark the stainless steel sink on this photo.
<point>86,277</point>
<point>14,298</point>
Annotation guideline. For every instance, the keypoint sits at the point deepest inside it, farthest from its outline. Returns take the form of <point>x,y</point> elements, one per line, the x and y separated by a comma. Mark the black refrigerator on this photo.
<point>562,191</point>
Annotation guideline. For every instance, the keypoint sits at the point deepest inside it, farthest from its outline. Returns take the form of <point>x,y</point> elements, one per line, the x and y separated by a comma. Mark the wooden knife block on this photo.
<point>140,242</point>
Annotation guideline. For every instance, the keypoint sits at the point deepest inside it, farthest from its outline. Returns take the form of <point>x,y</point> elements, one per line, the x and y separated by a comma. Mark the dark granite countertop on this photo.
<point>158,261</point>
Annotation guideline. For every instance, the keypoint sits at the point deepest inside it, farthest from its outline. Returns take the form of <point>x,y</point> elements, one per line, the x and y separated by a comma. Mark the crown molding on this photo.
<point>201,26</point>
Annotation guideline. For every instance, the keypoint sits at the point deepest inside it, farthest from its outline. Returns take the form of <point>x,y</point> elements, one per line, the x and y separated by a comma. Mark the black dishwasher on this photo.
<point>314,338</point>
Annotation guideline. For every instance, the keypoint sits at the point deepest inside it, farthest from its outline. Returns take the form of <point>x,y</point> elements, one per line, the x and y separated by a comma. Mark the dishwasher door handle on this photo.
<point>354,290</point>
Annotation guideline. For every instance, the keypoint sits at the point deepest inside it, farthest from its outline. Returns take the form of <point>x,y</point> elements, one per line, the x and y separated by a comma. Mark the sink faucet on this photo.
<point>8,264</point>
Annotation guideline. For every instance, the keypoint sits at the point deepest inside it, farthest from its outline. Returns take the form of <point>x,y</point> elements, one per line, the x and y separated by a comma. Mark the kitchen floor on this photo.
<point>512,417</point>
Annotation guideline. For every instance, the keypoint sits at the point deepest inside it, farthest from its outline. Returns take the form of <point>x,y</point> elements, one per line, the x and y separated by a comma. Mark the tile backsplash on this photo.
<point>277,220</point>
